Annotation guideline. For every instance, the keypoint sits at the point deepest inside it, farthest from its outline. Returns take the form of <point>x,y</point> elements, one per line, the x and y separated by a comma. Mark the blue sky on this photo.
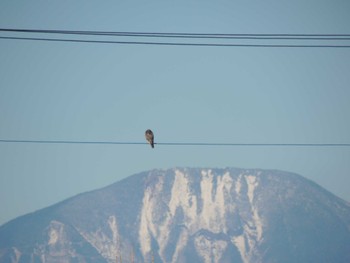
<point>100,92</point>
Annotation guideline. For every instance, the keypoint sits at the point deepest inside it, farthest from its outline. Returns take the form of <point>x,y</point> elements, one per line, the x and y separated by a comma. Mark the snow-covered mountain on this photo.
<point>187,215</point>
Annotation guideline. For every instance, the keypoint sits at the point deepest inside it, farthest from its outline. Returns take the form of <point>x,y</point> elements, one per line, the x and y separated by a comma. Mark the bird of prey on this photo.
<point>150,137</point>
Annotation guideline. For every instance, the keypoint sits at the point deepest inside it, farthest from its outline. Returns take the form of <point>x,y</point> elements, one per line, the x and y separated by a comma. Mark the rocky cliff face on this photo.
<point>188,215</point>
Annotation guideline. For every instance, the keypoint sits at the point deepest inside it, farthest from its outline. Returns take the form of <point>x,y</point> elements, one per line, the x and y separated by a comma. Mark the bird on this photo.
<point>150,137</point>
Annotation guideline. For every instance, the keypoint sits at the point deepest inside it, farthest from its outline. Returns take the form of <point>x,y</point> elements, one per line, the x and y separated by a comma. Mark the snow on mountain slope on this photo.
<point>187,215</point>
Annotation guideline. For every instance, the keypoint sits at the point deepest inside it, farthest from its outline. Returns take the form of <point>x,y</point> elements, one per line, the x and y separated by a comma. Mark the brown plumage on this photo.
<point>150,137</point>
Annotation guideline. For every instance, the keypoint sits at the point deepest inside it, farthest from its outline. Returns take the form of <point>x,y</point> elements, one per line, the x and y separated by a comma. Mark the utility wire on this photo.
<point>320,38</point>
<point>185,35</point>
<point>181,143</point>
<point>175,43</point>
<point>67,142</point>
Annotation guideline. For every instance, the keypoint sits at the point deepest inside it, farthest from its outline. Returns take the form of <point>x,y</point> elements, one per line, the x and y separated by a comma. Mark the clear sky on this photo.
<point>105,92</point>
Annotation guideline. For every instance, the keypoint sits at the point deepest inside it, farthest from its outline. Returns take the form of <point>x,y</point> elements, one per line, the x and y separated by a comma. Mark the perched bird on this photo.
<point>150,137</point>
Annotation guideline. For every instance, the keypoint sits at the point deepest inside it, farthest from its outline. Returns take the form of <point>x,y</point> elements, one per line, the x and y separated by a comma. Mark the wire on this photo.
<point>182,143</point>
<point>263,144</point>
<point>175,43</point>
<point>67,142</point>
<point>182,36</point>
<point>185,35</point>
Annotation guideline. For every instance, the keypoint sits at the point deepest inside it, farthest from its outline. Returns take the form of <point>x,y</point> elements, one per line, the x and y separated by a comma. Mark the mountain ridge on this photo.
<point>187,215</point>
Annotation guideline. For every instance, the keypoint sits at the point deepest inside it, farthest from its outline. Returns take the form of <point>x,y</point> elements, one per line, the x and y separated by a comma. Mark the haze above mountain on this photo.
<point>187,215</point>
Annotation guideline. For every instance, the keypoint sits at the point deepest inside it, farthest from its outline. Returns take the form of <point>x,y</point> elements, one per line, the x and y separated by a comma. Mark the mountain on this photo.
<point>187,215</point>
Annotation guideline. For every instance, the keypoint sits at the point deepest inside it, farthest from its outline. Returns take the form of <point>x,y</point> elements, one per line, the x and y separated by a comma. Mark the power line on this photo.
<point>252,38</point>
<point>184,35</point>
<point>261,144</point>
<point>67,142</point>
<point>180,143</point>
<point>175,43</point>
